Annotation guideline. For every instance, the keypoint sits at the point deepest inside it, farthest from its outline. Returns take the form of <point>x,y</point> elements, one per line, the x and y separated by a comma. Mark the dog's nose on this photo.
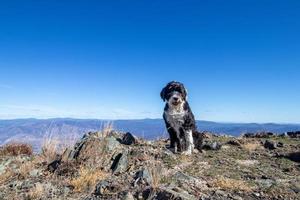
<point>175,98</point>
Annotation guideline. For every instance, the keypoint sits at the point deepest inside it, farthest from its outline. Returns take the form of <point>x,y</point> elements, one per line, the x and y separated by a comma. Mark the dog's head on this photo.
<point>174,93</point>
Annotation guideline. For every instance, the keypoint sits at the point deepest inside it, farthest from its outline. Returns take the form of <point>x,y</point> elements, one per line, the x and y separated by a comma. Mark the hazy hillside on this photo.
<point>33,130</point>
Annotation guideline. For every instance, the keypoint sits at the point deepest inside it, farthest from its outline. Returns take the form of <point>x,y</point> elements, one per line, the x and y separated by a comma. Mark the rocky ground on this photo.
<point>119,166</point>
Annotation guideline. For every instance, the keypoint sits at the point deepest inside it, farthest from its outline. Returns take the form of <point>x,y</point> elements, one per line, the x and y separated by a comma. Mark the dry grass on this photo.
<point>15,149</point>
<point>24,170</point>
<point>156,176</point>
<point>87,179</point>
<point>6,176</point>
<point>231,184</point>
<point>37,192</point>
<point>50,148</point>
<point>54,144</point>
<point>106,129</point>
<point>251,146</point>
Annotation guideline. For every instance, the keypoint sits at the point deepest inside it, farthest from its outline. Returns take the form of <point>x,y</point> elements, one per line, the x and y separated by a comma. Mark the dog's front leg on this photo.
<point>189,142</point>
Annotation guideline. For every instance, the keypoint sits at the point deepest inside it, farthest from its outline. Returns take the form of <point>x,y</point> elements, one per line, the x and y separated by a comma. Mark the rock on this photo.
<point>296,187</point>
<point>270,145</point>
<point>111,143</point>
<point>66,155</point>
<point>187,181</point>
<point>212,146</point>
<point>34,172</point>
<point>295,134</point>
<point>88,142</point>
<point>183,177</point>
<point>234,142</point>
<point>173,193</point>
<point>283,135</point>
<point>265,183</point>
<point>129,139</point>
<point>54,165</point>
<point>259,135</point>
<point>293,156</point>
<point>4,164</point>
<point>280,144</point>
<point>128,196</point>
<point>120,163</point>
<point>144,175</point>
<point>101,187</point>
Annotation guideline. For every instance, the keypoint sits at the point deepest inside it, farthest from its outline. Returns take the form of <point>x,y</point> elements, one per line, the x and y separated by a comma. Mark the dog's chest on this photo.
<point>175,118</point>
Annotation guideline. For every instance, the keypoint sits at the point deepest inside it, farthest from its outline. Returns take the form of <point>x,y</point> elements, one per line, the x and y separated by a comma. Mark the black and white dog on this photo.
<point>179,119</point>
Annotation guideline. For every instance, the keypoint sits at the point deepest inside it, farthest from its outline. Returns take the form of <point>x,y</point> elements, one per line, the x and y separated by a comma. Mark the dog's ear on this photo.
<point>183,91</point>
<point>163,94</point>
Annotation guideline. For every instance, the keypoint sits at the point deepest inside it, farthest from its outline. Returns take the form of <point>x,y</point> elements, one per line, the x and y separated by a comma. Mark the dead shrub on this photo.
<point>24,170</point>
<point>231,184</point>
<point>16,149</point>
<point>251,146</point>
<point>7,175</point>
<point>37,192</point>
<point>87,179</point>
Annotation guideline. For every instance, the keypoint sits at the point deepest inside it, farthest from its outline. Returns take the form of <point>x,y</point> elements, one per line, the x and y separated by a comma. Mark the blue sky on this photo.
<point>240,60</point>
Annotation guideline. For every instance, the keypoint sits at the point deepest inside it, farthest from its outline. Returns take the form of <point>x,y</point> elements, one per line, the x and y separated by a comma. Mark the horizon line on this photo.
<point>74,118</point>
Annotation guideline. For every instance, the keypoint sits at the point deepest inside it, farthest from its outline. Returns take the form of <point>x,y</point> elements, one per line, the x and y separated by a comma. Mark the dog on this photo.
<point>179,119</point>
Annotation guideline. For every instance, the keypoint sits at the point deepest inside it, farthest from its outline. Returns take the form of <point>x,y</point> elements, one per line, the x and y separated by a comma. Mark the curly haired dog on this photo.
<point>179,119</point>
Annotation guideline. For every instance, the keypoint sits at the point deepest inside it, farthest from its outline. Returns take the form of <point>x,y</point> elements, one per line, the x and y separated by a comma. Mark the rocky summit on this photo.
<point>121,166</point>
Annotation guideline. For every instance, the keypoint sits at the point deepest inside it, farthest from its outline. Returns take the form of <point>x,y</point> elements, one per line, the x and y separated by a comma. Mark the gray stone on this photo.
<point>296,187</point>
<point>4,164</point>
<point>268,144</point>
<point>144,175</point>
<point>173,193</point>
<point>212,146</point>
<point>129,139</point>
<point>120,163</point>
<point>128,196</point>
<point>52,167</point>
<point>34,173</point>
<point>101,187</point>
<point>265,183</point>
<point>111,143</point>
<point>187,181</point>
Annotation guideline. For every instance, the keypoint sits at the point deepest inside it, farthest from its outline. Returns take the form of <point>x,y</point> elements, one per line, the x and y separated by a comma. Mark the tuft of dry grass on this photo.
<point>54,144</point>
<point>231,184</point>
<point>37,192</point>
<point>157,173</point>
<point>24,169</point>
<point>15,149</point>
<point>106,129</point>
<point>156,176</point>
<point>251,146</point>
<point>87,179</point>
<point>6,176</point>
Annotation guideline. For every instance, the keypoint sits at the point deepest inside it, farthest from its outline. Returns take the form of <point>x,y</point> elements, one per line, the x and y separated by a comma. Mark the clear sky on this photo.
<point>240,60</point>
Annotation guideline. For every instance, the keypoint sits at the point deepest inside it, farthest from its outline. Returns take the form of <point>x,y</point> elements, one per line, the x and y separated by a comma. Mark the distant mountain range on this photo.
<point>34,130</point>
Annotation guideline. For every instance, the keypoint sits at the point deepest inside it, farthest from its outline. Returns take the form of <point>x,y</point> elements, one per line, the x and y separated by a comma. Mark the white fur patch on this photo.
<point>190,142</point>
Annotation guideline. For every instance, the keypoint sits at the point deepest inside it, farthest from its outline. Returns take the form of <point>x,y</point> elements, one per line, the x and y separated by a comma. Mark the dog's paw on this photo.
<point>187,153</point>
